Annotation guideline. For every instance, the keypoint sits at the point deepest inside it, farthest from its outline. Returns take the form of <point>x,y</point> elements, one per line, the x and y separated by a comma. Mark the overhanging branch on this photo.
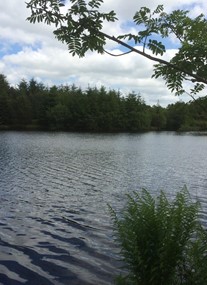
<point>124,53</point>
<point>150,57</point>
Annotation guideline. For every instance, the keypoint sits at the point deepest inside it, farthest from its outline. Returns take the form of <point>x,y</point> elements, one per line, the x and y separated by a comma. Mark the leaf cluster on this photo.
<point>161,242</point>
<point>146,19</point>
<point>46,11</point>
<point>79,27</point>
<point>190,61</point>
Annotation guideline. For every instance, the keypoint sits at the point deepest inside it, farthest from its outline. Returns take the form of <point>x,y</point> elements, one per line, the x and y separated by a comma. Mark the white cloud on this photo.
<point>41,56</point>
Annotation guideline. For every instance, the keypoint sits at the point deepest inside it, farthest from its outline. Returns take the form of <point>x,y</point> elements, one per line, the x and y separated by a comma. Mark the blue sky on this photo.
<point>31,51</point>
<point>12,48</point>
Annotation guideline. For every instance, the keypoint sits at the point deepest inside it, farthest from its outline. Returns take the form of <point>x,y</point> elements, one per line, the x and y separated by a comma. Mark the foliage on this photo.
<point>159,118</point>
<point>162,241</point>
<point>177,115</point>
<point>31,104</point>
<point>81,28</point>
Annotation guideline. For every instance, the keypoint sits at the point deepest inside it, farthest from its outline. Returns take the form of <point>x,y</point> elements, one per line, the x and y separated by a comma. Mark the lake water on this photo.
<point>55,226</point>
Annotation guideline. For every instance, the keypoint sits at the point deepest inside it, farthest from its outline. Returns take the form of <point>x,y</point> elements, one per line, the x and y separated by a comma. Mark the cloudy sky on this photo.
<point>31,51</point>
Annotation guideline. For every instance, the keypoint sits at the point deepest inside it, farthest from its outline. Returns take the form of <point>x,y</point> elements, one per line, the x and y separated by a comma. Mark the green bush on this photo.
<point>162,242</point>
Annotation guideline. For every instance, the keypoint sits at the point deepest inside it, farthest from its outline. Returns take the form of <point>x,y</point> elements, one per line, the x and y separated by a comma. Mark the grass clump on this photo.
<point>162,242</point>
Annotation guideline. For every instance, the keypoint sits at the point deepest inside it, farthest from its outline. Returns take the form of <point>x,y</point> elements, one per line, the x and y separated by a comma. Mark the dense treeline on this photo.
<point>31,105</point>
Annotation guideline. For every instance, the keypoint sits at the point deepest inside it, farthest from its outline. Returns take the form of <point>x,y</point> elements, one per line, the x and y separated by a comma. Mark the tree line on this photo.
<point>32,105</point>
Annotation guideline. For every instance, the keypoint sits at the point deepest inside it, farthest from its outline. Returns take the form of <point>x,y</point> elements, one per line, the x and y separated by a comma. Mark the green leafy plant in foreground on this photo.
<point>162,242</point>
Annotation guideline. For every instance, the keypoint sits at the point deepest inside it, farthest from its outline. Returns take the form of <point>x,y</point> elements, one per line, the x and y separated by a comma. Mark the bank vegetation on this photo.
<point>34,106</point>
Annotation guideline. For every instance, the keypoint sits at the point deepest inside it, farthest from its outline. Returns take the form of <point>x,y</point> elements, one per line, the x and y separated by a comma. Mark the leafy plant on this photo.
<point>80,27</point>
<point>162,242</point>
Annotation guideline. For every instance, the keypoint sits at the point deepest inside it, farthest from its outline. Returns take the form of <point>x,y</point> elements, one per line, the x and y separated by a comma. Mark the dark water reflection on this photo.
<point>54,189</point>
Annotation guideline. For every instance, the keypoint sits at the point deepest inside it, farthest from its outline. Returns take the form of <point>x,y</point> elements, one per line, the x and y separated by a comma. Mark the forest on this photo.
<point>34,106</point>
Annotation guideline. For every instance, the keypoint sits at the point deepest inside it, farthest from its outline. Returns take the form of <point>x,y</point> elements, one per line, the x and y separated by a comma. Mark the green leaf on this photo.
<point>141,16</point>
<point>156,47</point>
<point>156,234</point>
<point>159,9</point>
<point>130,37</point>
<point>95,3</point>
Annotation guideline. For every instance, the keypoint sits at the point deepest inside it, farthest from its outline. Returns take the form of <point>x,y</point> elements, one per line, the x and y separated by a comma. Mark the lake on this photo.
<point>55,226</point>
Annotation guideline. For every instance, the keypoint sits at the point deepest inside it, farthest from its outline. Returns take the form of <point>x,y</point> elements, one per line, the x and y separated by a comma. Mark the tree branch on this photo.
<point>159,60</point>
<point>117,54</point>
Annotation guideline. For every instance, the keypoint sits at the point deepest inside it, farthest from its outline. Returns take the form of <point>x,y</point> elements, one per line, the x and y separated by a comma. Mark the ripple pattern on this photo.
<point>54,189</point>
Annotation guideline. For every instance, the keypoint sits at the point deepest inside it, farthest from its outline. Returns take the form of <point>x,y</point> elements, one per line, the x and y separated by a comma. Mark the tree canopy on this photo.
<point>80,27</point>
<point>34,106</point>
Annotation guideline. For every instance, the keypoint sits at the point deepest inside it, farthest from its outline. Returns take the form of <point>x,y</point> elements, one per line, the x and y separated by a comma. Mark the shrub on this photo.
<point>162,242</point>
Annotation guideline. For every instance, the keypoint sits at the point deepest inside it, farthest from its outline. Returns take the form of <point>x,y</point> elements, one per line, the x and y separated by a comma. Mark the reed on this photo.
<point>162,241</point>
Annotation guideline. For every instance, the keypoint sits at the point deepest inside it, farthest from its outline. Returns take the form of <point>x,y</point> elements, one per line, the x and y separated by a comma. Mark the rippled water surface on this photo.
<point>54,189</point>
